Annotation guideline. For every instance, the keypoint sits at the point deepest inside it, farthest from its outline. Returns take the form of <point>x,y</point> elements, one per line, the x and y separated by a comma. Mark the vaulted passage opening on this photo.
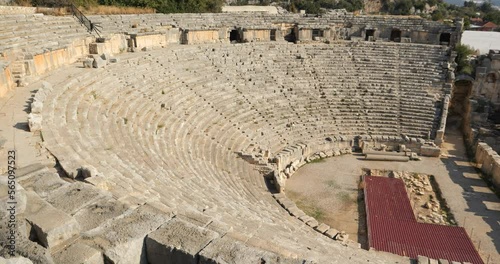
<point>369,33</point>
<point>396,35</point>
<point>444,38</point>
<point>273,34</point>
<point>234,36</point>
<point>290,35</point>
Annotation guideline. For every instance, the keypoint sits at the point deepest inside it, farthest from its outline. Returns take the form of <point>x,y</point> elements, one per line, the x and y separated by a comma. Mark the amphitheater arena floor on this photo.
<point>459,182</point>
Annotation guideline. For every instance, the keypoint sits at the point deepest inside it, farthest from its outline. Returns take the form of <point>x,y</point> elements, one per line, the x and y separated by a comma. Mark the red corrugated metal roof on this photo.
<point>392,226</point>
<point>389,199</point>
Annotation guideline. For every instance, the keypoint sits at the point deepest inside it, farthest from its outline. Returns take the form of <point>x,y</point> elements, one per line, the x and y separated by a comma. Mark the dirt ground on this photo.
<point>330,196</point>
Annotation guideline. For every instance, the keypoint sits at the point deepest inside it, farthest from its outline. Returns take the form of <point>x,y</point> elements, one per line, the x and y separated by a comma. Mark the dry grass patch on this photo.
<point>307,206</point>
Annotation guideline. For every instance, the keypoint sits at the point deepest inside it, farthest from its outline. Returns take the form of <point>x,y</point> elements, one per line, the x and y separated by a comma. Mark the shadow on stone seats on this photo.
<point>22,126</point>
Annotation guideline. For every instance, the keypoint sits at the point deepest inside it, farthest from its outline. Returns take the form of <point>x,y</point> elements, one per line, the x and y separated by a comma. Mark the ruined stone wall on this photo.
<point>483,108</point>
<point>291,158</point>
<point>487,81</point>
<point>38,64</point>
<point>442,125</point>
<point>344,25</point>
<point>151,41</point>
<point>416,29</point>
<point>251,35</point>
<point>44,62</point>
<point>201,36</point>
<point>114,44</point>
<point>489,161</point>
<point>6,81</point>
<point>387,143</point>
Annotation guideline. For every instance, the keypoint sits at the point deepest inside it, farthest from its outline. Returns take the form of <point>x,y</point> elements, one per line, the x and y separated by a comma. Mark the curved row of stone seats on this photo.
<point>343,25</point>
<point>79,223</point>
<point>52,32</point>
<point>331,75</point>
<point>169,127</point>
<point>173,161</point>
<point>69,108</point>
<point>158,22</point>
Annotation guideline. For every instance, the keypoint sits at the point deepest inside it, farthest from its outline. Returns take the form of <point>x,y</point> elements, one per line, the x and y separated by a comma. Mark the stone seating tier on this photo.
<point>16,32</point>
<point>230,119</point>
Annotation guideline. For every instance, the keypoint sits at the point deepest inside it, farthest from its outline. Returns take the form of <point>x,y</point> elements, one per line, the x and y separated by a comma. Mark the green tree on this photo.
<point>486,7</point>
<point>463,59</point>
<point>470,4</point>
<point>493,16</point>
<point>437,15</point>
<point>403,7</point>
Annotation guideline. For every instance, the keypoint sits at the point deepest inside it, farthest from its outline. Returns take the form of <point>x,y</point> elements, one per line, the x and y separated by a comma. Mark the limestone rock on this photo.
<point>106,56</point>
<point>93,215</point>
<point>51,225</point>
<point>88,63</point>
<point>98,62</point>
<point>19,198</point>
<point>43,183</point>
<point>177,241</point>
<point>79,253</point>
<point>35,122</point>
<point>33,251</point>
<point>122,240</point>
<point>322,228</point>
<point>423,260</point>
<point>16,260</point>
<point>227,250</point>
<point>36,107</point>
<point>73,197</point>
<point>312,223</point>
<point>331,233</point>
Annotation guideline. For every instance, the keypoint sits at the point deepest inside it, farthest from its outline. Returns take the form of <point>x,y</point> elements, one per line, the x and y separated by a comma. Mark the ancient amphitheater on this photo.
<point>169,138</point>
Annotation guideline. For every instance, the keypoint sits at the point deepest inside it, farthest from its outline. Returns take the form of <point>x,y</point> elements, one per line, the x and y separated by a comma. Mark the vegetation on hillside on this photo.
<point>316,6</point>
<point>161,6</point>
<point>431,9</point>
<point>464,52</point>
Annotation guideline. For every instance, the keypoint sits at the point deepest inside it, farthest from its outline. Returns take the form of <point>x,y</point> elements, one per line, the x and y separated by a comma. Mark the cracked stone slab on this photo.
<point>227,250</point>
<point>122,240</point>
<point>322,228</point>
<point>79,253</point>
<point>52,226</point>
<point>177,241</point>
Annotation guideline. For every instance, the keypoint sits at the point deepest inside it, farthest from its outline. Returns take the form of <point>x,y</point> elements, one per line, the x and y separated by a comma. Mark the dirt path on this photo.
<point>14,131</point>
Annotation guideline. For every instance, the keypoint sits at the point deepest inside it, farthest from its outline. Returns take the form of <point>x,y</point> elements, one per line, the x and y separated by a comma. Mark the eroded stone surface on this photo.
<point>52,226</point>
<point>177,241</point>
<point>122,239</point>
<point>226,250</point>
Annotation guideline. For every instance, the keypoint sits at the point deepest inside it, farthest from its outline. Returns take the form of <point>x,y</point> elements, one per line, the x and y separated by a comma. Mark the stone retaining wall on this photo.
<point>50,60</point>
<point>6,82</point>
<point>405,144</point>
<point>489,161</point>
<point>442,125</point>
<point>35,65</point>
